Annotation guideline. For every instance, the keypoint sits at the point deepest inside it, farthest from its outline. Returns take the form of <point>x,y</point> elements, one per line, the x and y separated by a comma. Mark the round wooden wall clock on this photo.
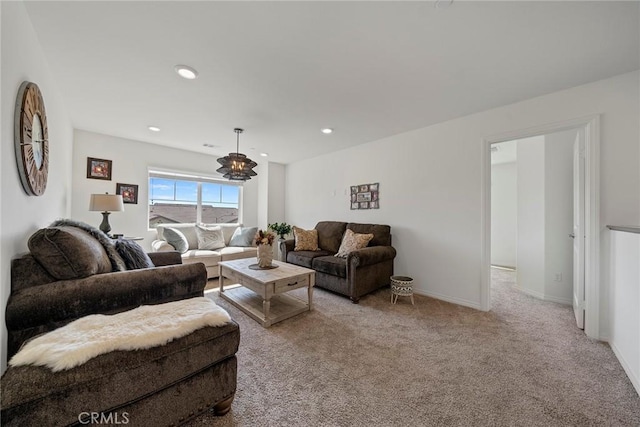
<point>31,138</point>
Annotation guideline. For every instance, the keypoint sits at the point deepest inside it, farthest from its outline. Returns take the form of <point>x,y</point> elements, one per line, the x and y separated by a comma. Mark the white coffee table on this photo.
<point>262,293</point>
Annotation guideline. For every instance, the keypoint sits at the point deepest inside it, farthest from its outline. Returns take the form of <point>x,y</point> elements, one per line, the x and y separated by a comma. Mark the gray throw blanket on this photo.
<point>117,263</point>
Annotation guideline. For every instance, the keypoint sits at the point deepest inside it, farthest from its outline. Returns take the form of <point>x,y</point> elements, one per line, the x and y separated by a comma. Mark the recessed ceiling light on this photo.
<point>154,128</point>
<point>264,154</point>
<point>326,131</point>
<point>186,72</point>
<point>442,4</point>
<point>208,145</point>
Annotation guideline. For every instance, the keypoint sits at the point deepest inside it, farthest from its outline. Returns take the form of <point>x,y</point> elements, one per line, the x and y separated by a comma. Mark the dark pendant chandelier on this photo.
<point>236,166</point>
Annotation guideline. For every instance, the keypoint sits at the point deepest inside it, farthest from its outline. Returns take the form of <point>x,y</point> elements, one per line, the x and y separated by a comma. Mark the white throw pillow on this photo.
<point>210,238</point>
<point>243,237</point>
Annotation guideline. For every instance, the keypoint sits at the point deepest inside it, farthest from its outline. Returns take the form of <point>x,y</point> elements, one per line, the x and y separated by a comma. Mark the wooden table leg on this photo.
<point>312,283</point>
<point>220,279</point>
<point>266,308</point>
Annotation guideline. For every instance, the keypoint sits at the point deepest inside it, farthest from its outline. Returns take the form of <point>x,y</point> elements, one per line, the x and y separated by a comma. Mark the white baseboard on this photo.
<point>447,298</point>
<point>634,380</point>
<point>544,297</point>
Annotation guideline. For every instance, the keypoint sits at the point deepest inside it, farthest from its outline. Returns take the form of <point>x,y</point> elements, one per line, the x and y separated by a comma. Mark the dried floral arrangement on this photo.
<point>264,237</point>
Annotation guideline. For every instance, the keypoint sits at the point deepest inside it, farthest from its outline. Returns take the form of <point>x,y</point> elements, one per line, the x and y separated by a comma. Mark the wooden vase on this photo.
<point>265,256</point>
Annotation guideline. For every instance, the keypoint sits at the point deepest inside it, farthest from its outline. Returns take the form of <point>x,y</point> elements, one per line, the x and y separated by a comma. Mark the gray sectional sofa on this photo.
<point>361,272</point>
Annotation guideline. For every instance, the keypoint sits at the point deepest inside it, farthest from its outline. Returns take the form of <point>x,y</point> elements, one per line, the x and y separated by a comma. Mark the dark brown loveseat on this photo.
<point>162,385</point>
<point>361,272</point>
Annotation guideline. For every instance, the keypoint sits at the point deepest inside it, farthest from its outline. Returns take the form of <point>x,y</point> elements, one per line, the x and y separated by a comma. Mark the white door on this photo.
<point>578,234</point>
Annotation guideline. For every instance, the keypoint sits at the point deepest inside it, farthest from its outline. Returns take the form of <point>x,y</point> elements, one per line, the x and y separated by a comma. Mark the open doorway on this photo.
<point>532,213</point>
<point>589,243</point>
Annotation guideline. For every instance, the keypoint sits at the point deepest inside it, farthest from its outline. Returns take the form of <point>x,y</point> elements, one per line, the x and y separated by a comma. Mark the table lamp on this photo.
<point>106,203</point>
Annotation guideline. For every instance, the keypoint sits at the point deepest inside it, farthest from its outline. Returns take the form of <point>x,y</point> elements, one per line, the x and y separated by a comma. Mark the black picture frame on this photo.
<point>129,192</point>
<point>99,168</point>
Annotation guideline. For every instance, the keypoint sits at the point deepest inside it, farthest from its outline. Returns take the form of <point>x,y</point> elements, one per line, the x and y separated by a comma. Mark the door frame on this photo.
<point>591,126</point>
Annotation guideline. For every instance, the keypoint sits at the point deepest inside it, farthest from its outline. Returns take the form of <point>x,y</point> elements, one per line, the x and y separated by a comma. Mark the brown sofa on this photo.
<point>39,302</point>
<point>161,385</point>
<point>361,272</point>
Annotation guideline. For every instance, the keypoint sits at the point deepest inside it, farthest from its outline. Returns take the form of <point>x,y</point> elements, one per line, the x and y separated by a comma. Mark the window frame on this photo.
<point>197,177</point>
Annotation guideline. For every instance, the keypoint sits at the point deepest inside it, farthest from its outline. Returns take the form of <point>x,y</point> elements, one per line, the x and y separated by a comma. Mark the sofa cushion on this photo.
<point>68,252</point>
<point>381,233</point>
<point>330,235</point>
<point>331,265</point>
<point>305,240</point>
<point>352,242</point>
<point>205,256</point>
<point>176,239</point>
<point>231,252</point>
<point>32,395</point>
<point>243,237</point>
<point>304,258</point>
<point>210,237</point>
<point>133,254</point>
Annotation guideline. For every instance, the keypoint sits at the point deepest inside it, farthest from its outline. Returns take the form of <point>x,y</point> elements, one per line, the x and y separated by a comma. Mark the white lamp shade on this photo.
<point>106,203</point>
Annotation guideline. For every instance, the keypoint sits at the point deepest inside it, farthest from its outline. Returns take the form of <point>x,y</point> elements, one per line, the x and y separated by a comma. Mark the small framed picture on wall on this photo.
<point>365,196</point>
<point>129,192</point>
<point>99,168</point>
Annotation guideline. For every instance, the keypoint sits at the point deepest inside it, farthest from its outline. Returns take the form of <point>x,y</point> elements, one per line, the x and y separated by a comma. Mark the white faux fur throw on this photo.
<point>143,327</point>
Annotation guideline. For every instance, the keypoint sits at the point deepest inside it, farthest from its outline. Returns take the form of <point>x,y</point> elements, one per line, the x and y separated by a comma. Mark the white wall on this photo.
<point>271,196</point>
<point>504,214</point>
<point>531,216</point>
<point>131,163</point>
<point>276,212</point>
<point>21,215</point>
<point>625,300</point>
<point>263,196</point>
<point>558,195</point>
<point>430,183</point>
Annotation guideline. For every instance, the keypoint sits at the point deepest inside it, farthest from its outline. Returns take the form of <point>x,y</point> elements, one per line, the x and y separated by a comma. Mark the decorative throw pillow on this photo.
<point>352,242</point>
<point>133,254</point>
<point>305,240</point>
<point>177,239</point>
<point>68,252</point>
<point>210,238</point>
<point>243,237</point>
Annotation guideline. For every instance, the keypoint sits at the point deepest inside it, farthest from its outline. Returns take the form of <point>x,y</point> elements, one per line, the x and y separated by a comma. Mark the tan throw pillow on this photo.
<point>306,240</point>
<point>210,238</point>
<point>352,242</point>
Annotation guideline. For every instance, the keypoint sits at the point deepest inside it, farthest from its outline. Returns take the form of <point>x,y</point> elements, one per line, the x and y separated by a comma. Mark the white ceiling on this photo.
<point>283,70</point>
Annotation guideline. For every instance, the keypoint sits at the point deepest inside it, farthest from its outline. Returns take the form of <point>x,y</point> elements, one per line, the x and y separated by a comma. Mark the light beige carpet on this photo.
<point>375,364</point>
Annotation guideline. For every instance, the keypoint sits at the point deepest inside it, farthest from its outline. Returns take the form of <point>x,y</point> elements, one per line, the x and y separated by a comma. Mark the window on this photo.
<point>177,198</point>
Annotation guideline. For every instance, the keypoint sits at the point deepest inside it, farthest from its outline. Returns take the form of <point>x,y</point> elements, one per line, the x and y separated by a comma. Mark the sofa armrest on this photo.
<point>161,246</point>
<point>371,255</point>
<point>161,259</point>
<point>286,246</point>
<point>66,300</point>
